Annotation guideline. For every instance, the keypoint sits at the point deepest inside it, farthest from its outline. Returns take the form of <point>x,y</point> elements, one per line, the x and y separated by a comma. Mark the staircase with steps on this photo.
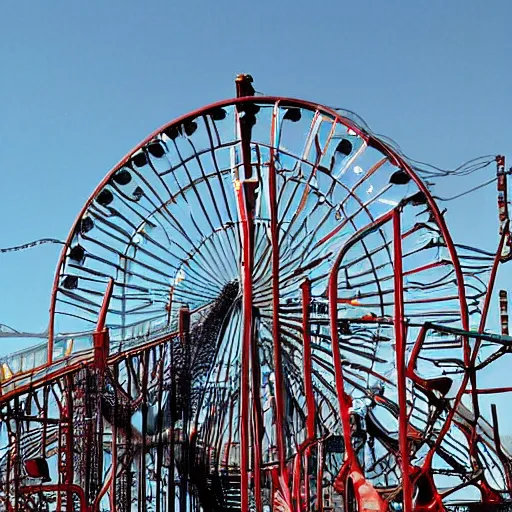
<point>231,495</point>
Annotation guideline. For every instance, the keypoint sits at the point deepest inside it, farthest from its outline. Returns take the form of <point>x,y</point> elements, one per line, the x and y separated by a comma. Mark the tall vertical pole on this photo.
<point>245,200</point>
<point>257,420</point>
<point>184,327</point>
<point>17,456</point>
<point>114,449</point>
<point>306,337</point>
<point>245,195</point>
<point>400,345</point>
<point>101,352</point>
<point>276,327</point>
<point>144,412</point>
<point>308,381</point>
<point>171,490</point>
<point>69,440</point>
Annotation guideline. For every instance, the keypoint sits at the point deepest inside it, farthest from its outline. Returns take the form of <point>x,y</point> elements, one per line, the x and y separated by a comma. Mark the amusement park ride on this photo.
<point>261,308</point>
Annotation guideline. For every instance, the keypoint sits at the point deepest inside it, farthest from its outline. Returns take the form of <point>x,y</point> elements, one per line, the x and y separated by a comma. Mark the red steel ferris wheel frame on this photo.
<point>269,100</point>
<point>393,216</point>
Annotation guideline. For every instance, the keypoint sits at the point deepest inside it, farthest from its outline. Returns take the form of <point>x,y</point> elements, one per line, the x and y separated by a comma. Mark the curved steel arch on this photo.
<point>237,381</point>
<point>277,103</point>
<point>285,102</point>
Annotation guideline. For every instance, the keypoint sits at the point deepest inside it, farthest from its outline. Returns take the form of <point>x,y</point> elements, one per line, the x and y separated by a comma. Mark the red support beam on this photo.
<point>101,341</point>
<point>257,421</point>
<point>69,434</point>
<point>308,382</point>
<point>184,328</point>
<point>400,346</point>
<point>244,196</point>
<point>276,327</point>
<point>333,323</point>
<point>76,489</point>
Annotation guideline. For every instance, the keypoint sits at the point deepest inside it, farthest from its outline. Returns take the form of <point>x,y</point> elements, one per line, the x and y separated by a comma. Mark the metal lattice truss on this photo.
<point>268,310</point>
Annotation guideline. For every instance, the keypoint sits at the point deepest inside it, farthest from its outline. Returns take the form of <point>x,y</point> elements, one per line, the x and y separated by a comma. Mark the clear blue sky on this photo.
<point>83,82</point>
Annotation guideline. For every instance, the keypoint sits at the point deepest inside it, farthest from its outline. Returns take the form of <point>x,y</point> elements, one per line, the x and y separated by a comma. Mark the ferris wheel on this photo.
<point>275,315</point>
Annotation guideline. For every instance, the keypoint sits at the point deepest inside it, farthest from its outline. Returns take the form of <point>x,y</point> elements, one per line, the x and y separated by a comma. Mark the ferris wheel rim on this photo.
<point>368,137</point>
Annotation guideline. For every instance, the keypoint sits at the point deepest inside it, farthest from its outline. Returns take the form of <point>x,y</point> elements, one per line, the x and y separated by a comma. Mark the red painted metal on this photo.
<point>333,319</point>
<point>308,387</point>
<point>226,434</point>
<point>308,383</point>
<point>247,237</point>
<point>400,347</point>
<point>257,424</point>
<point>276,329</point>
<point>32,489</point>
<point>268,100</point>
